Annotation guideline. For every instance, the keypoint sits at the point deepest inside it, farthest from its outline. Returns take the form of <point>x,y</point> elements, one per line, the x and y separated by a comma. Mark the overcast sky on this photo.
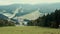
<point>6,2</point>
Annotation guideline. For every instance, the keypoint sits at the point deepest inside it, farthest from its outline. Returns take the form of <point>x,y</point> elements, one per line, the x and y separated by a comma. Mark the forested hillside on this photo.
<point>49,20</point>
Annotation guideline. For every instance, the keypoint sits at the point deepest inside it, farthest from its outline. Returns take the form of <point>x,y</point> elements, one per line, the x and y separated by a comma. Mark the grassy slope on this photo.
<point>28,30</point>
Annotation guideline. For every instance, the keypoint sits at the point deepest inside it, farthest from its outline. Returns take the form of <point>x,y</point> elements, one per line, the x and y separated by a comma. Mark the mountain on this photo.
<point>45,8</point>
<point>24,9</point>
<point>30,16</point>
<point>24,12</point>
<point>11,8</point>
<point>48,8</point>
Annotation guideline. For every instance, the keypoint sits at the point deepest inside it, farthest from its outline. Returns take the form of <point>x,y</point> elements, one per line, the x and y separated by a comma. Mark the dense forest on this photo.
<point>49,20</point>
<point>4,22</point>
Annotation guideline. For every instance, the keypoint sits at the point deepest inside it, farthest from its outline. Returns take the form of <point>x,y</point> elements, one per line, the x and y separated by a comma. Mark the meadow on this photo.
<point>28,30</point>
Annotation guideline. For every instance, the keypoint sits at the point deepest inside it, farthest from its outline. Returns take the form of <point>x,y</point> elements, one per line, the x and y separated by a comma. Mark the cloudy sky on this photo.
<point>6,2</point>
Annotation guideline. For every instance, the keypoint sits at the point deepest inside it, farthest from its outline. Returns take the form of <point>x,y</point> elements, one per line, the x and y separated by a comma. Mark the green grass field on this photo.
<point>28,30</point>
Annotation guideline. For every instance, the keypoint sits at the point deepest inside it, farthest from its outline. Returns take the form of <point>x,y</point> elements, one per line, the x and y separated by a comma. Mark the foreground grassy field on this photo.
<point>28,30</point>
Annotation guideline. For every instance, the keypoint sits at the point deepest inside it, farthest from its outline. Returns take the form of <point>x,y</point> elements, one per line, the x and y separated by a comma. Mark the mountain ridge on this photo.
<point>27,8</point>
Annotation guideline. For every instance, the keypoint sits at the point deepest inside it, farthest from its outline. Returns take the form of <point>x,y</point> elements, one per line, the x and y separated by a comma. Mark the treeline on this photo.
<point>49,20</point>
<point>4,22</point>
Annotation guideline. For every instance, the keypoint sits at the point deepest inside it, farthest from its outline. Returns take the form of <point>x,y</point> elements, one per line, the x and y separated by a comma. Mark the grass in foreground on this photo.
<point>28,30</point>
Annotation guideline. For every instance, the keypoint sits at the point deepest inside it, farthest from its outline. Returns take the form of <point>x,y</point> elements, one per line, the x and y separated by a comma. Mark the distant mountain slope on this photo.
<point>45,8</point>
<point>13,7</point>
<point>20,13</point>
<point>27,9</point>
<point>48,8</point>
<point>31,16</point>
